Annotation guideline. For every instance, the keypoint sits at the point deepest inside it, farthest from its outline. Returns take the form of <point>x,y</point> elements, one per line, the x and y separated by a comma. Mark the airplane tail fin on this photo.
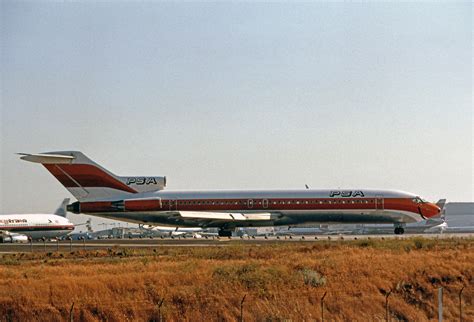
<point>87,181</point>
<point>442,205</point>
<point>61,211</point>
<point>441,216</point>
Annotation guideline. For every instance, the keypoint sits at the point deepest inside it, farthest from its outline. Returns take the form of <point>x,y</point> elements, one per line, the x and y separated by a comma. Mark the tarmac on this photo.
<point>67,245</point>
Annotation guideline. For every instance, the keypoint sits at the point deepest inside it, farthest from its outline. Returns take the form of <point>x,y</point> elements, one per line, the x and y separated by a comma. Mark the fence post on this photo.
<point>44,244</point>
<point>322,306</point>
<point>71,313</point>
<point>70,244</point>
<point>31,244</point>
<point>440,304</point>
<point>460,304</point>
<point>57,245</point>
<point>387,317</point>
<point>242,308</point>
<point>84,243</point>
<point>159,309</point>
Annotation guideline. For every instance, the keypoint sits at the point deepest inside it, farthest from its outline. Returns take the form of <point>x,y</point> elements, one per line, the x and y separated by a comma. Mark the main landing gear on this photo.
<point>399,230</point>
<point>225,233</point>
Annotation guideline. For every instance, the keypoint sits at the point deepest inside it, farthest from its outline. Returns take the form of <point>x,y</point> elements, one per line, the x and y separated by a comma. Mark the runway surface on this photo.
<point>67,245</point>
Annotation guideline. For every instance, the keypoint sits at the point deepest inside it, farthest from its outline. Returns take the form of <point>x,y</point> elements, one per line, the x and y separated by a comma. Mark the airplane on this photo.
<point>22,227</point>
<point>196,232</point>
<point>144,200</point>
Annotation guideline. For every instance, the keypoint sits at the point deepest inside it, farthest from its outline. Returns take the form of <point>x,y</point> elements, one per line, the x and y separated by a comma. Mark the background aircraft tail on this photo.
<point>61,211</point>
<point>88,181</point>
<point>442,206</point>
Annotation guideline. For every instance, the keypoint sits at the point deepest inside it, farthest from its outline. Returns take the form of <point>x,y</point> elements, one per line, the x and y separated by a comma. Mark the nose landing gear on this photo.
<point>399,230</point>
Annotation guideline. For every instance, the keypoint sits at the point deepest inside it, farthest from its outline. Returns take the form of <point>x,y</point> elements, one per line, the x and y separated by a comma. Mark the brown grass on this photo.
<point>282,281</point>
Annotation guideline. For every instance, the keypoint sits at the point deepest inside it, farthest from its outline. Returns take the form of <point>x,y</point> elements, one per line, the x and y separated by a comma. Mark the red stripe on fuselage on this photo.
<point>35,228</point>
<point>86,175</point>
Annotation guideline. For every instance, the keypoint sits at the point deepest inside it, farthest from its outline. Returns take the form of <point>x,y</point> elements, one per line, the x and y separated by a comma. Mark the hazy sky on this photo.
<point>239,95</point>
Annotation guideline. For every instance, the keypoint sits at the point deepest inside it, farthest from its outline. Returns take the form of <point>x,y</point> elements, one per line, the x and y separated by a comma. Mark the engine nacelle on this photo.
<point>19,239</point>
<point>145,184</point>
<point>14,238</point>
<point>144,204</point>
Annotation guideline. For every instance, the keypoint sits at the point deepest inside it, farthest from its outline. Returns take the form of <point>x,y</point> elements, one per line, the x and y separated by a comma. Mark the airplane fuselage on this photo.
<point>285,207</point>
<point>36,226</point>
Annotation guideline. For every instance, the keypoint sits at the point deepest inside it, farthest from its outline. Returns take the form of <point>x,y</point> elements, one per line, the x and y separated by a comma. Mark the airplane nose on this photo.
<point>428,210</point>
<point>433,210</point>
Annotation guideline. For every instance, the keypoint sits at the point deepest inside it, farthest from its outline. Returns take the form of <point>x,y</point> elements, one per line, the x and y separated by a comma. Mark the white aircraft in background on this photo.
<point>22,227</point>
<point>195,232</point>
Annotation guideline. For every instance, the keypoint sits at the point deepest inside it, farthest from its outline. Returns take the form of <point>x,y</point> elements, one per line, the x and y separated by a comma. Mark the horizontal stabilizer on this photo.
<point>47,158</point>
<point>87,180</point>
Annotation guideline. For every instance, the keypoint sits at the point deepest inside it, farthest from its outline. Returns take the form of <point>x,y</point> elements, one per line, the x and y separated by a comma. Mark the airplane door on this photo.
<point>379,202</point>
<point>265,203</point>
<point>173,204</point>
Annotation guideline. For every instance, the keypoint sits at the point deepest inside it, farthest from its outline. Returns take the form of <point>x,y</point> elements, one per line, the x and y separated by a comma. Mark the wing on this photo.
<point>221,218</point>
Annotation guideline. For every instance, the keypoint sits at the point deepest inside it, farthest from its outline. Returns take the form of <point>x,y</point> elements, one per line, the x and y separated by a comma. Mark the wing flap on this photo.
<point>225,216</point>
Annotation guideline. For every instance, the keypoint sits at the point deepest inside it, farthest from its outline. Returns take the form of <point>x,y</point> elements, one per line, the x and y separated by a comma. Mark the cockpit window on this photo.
<point>419,200</point>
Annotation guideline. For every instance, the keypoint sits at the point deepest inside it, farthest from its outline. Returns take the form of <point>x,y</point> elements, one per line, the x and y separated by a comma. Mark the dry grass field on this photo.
<point>283,281</point>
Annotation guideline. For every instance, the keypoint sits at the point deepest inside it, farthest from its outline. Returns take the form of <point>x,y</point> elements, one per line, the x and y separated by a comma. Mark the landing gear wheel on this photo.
<point>225,233</point>
<point>399,230</point>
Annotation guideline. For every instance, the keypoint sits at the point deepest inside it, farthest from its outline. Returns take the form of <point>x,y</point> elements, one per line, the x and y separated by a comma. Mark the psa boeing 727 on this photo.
<point>144,200</point>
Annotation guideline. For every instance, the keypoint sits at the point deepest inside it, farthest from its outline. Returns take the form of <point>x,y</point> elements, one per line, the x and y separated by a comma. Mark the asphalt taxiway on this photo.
<point>67,245</point>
